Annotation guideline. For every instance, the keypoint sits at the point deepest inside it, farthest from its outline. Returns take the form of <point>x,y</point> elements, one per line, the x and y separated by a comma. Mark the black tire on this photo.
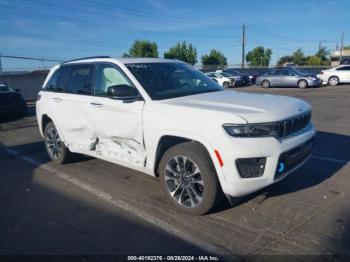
<point>226,85</point>
<point>266,84</point>
<point>302,84</point>
<point>64,155</point>
<point>333,81</point>
<point>211,192</point>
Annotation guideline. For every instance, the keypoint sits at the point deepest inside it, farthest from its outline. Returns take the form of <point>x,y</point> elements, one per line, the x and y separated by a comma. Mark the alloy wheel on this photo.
<point>302,84</point>
<point>333,81</point>
<point>53,143</point>
<point>184,181</point>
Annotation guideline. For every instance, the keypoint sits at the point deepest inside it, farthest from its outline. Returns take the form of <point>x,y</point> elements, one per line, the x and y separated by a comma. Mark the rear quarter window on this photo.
<point>57,80</point>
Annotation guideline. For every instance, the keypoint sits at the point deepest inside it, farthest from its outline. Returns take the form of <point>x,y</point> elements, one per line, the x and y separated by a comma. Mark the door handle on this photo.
<point>57,99</point>
<point>96,104</point>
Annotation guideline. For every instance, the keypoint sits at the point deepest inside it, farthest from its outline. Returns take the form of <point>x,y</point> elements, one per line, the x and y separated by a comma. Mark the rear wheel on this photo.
<point>55,148</point>
<point>333,81</point>
<point>302,83</point>
<point>189,178</point>
<point>266,84</point>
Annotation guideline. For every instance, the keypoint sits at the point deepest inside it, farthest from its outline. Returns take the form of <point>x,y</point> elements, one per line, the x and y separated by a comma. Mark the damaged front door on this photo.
<point>116,124</point>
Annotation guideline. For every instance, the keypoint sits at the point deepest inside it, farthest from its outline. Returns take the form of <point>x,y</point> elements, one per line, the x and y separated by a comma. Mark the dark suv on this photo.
<point>11,102</point>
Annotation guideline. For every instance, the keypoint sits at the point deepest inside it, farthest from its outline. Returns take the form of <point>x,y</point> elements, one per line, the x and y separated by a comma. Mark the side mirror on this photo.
<point>122,92</point>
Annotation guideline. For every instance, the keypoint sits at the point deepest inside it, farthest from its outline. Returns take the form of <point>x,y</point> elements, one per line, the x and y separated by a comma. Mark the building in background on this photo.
<point>335,56</point>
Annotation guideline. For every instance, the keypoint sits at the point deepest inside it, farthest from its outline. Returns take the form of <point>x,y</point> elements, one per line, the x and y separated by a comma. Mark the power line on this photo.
<point>31,58</point>
<point>112,27</point>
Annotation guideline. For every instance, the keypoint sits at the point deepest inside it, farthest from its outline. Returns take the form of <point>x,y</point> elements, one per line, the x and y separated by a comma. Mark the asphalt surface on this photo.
<point>94,207</point>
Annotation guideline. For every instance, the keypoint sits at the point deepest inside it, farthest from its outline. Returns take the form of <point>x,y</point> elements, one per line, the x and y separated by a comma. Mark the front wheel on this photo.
<point>302,84</point>
<point>55,147</point>
<point>266,84</point>
<point>189,178</point>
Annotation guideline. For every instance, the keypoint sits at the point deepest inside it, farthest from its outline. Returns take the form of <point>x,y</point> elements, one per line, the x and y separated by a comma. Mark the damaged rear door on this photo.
<point>116,124</point>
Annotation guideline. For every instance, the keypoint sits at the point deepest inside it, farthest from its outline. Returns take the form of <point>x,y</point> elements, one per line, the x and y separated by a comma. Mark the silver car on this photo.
<point>290,77</point>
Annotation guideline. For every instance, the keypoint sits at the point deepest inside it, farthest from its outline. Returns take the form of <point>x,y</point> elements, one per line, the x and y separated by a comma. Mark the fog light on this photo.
<point>281,167</point>
<point>251,167</point>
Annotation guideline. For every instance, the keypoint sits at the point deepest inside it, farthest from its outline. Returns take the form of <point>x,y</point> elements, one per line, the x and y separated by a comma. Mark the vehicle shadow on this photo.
<point>330,154</point>
<point>45,214</point>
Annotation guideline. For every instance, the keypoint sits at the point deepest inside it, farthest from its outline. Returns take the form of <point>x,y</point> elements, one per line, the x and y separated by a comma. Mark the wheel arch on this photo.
<point>44,120</point>
<point>302,79</point>
<point>165,142</point>
<point>333,76</point>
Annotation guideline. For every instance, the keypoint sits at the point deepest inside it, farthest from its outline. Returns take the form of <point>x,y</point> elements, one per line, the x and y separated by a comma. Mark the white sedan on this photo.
<point>222,80</point>
<point>336,75</point>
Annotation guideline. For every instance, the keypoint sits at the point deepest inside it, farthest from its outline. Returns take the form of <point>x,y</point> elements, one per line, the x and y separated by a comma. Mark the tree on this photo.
<point>323,53</point>
<point>183,52</point>
<point>143,48</point>
<point>298,57</point>
<point>314,60</point>
<point>259,56</point>
<point>284,59</point>
<point>215,58</point>
<point>346,47</point>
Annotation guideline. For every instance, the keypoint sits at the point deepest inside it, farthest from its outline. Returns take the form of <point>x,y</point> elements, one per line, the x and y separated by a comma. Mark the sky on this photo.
<point>66,29</point>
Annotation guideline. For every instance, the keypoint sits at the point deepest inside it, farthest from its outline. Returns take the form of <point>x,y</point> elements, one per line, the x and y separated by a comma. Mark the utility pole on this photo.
<point>243,45</point>
<point>341,47</point>
<point>0,64</point>
<point>319,45</point>
<point>337,46</point>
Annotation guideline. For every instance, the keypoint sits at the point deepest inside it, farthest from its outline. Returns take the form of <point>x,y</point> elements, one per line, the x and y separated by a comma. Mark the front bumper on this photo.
<point>242,82</point>
<point>316,82</point>
<point>232,149</point>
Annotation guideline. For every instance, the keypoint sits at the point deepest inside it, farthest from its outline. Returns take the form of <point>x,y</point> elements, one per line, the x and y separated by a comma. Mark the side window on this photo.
<point>285,72</point>
<point>107,75</point>
<point>79,80</point>
<point>343,68</point>
<point>58,80</point>
<point>272,73</point>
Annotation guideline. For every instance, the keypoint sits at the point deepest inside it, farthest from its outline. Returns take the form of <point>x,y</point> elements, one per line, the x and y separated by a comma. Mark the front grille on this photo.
<point>292,158</point>
<point>251,167</point>
<point>293,125</point>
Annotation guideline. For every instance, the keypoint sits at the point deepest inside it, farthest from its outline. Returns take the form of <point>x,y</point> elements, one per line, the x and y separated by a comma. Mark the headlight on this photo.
<point>312,78</point>
<point>253,130</point>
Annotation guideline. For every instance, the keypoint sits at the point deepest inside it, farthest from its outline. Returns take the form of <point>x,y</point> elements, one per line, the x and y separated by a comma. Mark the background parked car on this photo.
<point>222,80</point>
<point>240,79</point>
<point>287,77</point>
<point>11,102</point>
<point>336,75</point>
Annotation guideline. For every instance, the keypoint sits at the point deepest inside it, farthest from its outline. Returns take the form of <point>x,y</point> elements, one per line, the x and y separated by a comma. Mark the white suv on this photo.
<point>167,119</point>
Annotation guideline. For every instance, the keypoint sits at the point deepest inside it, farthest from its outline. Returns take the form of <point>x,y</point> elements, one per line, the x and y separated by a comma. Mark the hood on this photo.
<point>254,108</point>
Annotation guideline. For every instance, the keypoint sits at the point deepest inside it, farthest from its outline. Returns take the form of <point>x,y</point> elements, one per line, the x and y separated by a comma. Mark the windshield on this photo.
<point>225,74</point>
<point>170,80</point>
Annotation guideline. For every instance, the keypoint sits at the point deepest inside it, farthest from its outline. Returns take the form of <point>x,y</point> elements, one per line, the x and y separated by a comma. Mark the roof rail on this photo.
<point>85,58</point>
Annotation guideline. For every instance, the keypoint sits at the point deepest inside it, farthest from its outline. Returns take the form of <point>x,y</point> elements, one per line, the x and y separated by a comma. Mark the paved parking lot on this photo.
<point>94,207</point>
